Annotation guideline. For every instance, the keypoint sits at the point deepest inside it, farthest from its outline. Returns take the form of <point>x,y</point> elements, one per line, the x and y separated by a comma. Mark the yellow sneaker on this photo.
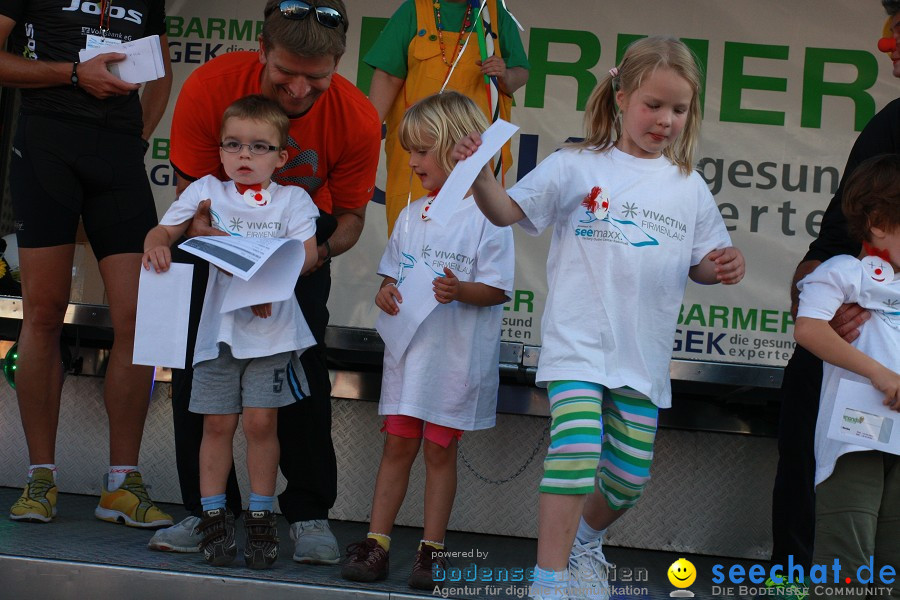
<point>38,500</point>
<point>130,504</point>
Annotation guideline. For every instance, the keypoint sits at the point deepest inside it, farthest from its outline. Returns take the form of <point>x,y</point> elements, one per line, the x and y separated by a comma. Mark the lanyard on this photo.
<point>105,9</point>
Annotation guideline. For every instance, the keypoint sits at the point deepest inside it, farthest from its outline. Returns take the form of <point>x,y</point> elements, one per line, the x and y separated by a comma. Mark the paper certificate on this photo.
<point>417,289</point>
<point>860,418</point>
<point>273,264</point>
<point>161,326</point>
<point>143,59</point>
<point>464,173</point>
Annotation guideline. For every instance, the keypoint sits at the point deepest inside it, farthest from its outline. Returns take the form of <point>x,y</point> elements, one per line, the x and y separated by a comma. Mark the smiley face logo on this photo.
<point>682,573</point>
<point>878,269</point>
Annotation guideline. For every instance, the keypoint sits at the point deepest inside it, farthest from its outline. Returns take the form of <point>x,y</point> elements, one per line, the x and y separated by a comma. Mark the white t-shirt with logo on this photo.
<point>289,214</point>
<point>616,278</point>
<point>449,373</point>
<point>846,279</point>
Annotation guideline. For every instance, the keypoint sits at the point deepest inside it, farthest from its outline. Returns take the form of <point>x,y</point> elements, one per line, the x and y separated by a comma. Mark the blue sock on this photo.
<point>260,502</point>
<point>213,502</point>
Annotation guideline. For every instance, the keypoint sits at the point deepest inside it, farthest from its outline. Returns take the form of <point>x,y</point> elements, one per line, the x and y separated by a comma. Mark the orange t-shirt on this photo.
<point>332,149</point>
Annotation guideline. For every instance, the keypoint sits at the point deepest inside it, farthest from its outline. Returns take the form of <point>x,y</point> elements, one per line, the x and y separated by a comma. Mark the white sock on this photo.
<point>117,475</point>
<point>550,584</point>
<point>52,468</point>
<point>587,534</point>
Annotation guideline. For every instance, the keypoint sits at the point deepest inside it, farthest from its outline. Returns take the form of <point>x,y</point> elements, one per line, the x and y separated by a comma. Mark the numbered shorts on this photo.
<point>415,429</point>
<point>225,385</point>
<point>593,426</point>
<point>61,171</point>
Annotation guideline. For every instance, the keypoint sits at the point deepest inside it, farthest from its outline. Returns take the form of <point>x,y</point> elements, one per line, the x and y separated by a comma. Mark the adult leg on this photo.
<point>46,279</point>
<point>793,494</point>
<point>307,460</point>
<point>392,481</point>
<point>127,386</point>
<point>887,540</point>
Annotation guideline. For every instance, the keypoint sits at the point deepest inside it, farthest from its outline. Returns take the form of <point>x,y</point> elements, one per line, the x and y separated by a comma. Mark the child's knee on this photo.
<point>437,455</point>
<point>400,449</point>
<point>219,425</point>
<point>260,423</point>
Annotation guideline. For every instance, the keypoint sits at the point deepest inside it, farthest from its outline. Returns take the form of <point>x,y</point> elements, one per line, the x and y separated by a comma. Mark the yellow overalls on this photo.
<point>425,75</point>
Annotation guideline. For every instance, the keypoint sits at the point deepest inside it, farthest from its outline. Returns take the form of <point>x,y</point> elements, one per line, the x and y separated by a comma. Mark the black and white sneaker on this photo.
<point>261,547</point>
<point>217,529</point>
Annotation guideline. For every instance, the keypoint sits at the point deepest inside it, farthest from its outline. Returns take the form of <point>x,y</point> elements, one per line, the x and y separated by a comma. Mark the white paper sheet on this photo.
<point>143,62</point>
<point>417,289</point>
<point>164,303</point>
<point>465,171</point>
<point>240,256</point>
<point>274,281</point>
<point>860,418</point>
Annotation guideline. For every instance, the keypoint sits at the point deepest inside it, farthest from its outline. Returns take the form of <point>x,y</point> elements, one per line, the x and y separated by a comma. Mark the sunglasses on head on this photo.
<point>297,10</point>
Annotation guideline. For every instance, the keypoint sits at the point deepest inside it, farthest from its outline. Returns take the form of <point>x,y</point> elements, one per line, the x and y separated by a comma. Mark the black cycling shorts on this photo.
<point>60,171</point>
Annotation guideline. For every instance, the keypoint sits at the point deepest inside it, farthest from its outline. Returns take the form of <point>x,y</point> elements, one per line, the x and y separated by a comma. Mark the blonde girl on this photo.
<point>446,380</point>
<point>631,223</point>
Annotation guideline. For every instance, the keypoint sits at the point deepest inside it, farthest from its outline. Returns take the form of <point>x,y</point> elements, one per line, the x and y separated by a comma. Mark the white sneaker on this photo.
<point>314,543</point>
<point>589,571</point>
<point>181,537</point>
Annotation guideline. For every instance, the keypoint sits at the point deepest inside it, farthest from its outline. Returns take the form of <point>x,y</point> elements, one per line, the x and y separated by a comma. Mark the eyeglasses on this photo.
<point>255,148</point>
<point>297,10</point>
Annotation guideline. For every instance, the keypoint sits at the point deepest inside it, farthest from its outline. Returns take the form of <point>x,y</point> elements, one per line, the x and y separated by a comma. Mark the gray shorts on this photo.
<point>224,385</point>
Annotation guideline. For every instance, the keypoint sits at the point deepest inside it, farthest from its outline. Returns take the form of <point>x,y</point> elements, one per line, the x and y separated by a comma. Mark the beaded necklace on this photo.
<point>467,22</point>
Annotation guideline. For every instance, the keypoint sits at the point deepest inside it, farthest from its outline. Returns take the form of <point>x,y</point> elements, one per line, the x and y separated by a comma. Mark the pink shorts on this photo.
<point>411,428</point>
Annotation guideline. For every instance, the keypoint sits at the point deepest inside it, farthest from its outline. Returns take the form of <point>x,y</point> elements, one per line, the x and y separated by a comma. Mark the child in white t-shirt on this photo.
<point>246,361</point>
<point>858,488</point>
<point>631,223</point>
<point>446,380</point>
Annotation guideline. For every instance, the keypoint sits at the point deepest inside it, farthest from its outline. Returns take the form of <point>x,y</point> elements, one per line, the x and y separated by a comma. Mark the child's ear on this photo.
<point>877,233</point>
<point>282,158</point>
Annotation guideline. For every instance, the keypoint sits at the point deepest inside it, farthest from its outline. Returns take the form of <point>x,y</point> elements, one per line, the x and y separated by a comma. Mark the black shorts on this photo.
<point>60,171</point>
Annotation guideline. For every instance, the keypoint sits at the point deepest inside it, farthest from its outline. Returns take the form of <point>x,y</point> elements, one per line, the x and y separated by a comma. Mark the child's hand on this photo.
<point>729,265</point>
<point>263,311</point>
<point>388,297</point>
<point>466,147</point>
<point>159,258</point>
<point>888,381</point>
<point>446,288</point>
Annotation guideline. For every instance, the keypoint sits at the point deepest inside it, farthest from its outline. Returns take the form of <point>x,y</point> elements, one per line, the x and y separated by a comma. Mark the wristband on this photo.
<point>327,250</point>
<point>74,77</point>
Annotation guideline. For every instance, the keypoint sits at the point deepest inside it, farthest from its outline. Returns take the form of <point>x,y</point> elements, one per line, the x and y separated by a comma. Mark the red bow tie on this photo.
<point>241,188</point>
<point>873,251</point>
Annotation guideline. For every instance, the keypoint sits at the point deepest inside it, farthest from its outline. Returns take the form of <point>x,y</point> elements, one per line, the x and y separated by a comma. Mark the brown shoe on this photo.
<point>428,560</point>
<point>366,562</point>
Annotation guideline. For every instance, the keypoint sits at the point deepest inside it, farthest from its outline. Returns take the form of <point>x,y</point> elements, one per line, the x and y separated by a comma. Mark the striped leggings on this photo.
<point>590,426</point>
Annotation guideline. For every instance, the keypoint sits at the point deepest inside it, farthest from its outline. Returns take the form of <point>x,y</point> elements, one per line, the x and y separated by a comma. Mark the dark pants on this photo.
<point>794,496</point>
<point>304,428</point>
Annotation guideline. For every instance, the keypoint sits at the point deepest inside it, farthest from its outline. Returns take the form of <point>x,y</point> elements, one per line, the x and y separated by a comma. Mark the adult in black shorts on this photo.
<point>78,153</point>
<point>793,497</point>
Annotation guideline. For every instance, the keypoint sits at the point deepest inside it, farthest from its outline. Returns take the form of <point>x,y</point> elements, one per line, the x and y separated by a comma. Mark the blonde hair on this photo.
<point>601,117</point>
<point>437,122</point>
<point>262,109</point>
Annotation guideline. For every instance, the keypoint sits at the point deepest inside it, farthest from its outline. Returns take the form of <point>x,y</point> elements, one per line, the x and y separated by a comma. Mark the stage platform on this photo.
<point>80,557</point>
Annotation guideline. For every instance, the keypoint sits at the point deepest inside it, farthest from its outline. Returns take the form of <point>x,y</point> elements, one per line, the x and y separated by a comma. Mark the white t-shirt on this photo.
<point>840,280</point>
<point>449,373</point>
<point>289,214</point>
<point>616,280</point>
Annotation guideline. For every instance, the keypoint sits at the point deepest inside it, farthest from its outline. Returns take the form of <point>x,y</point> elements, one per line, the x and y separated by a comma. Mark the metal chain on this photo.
<point>537,448</point>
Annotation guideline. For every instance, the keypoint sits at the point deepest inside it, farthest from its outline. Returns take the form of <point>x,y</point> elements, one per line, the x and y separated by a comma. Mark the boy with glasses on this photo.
<point>333,147</point>
<point>242,356</point>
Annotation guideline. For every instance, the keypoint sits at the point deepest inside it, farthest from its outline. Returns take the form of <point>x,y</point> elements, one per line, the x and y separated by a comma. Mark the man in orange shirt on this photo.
<point>333,148</point>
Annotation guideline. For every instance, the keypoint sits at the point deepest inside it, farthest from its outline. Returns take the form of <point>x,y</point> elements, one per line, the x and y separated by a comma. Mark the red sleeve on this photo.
<point>351,181</point>
<point>194,137</point>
